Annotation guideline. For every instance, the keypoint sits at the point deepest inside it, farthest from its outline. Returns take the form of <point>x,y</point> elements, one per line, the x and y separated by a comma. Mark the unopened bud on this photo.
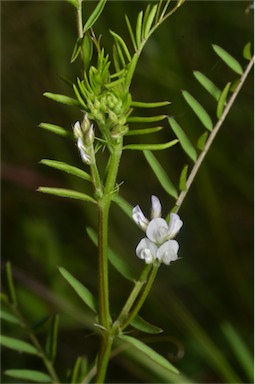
<point>77,130</point>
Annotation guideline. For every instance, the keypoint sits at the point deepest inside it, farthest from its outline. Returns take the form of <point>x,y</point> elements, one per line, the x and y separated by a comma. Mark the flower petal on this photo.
<point>139,217</point>
<point>156,208</point>
<point>146,250</point>
<point>167,252</point>
<point>175,224</point>
<point>157,230</point>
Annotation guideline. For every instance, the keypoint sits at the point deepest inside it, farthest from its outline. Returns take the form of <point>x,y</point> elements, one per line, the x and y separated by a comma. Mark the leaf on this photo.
<point>142,325</point>
<point>51,342</point>
<point>149,20</point>
<point>18,345</point>
<point>87,50</point>
<point>63,99</point>
<point>143,131</point>
<point>139,29</point>
<point>207,84</point>
<point>4,315</point>
<point>198,110</point>
<point>56,129</point>
<point>80,289</point>
<point>150,147</point>
<point>94,15</point>
<point>183,139</point>
<point>78,96</point>
<point>119,264</point>
<point>131,33</point>
<point>222,100</point>
<point>76,50</point>
<point>75,3</point>
<point>62,192</point>
<point>160,174</point>
<point>10,283</point>
<point>118,39</point>
<point>28,374</point>
<point>141,104</point>
<point>79,370</point>
<point>228,59</point>
<point>145,119</point>
<point>66,168</point>
<point>247,51</point>
<point>150,353</point>
<point>183,178</point>
<point>202,141</point>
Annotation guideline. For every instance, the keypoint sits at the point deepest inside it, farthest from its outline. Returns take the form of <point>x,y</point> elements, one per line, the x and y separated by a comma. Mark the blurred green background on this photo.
<point>196,298</point>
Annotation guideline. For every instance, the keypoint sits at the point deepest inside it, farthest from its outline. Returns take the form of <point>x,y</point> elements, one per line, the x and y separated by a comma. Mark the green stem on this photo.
<point>138,305</point>
<point>103,358</point>
<point>48,364</point>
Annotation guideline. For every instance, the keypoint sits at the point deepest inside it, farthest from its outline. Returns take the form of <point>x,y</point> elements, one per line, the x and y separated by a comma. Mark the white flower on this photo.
<point>83,152</point>
<point>158,245</point>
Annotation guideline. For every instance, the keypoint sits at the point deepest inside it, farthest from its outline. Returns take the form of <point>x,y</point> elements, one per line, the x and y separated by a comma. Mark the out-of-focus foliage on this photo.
<point>212,284</point>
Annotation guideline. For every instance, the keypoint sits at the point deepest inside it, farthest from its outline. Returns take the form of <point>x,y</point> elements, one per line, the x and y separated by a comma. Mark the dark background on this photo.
<point>212,284</point>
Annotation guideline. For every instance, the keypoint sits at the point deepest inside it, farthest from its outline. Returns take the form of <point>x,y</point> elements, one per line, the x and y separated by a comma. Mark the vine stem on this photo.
<point>212,137</point>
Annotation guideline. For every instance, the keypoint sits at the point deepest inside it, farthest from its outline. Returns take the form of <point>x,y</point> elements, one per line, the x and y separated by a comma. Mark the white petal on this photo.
<point>77,130</point>
<point>146,250</point>
<point>157,230</point>
<point>155,207</point>
<point>139,217</point>
<point>175,225</point>
<point>85,157</point>
<point>167,252</point>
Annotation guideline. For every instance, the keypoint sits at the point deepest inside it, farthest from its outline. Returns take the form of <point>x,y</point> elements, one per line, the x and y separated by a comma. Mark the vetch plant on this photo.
<point>106,114</point>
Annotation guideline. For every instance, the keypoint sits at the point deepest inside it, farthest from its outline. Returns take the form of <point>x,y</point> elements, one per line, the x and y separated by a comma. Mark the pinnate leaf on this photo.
<point>222,100</point>
<point>247,51</point>
<point>80,289</point>
<point>151,147</point>
<point>63,99</point>
<point>183,139</point>
<point>142,325</point>
<point>18,345</point>
<point>228,59</point>
<point>198,110</point>
<point>30,375</point>
<point>207,84</point>
<point>66,168</point>
<point>51,343</point>
<point>94,15</point>
<point>183,178</point>
<point>56,129</point>
<point>160,174</point>
<point>150,353</point>
<point>69,193</point>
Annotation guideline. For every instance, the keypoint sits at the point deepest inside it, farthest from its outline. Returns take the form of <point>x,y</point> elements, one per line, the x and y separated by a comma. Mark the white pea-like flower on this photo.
<point>158,245</point>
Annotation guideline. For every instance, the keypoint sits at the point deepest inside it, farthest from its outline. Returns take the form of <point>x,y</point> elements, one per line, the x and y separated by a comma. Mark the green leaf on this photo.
<point>202,140</point>
<point>94,15</point>
<point>5,315</point>
<point>10,283</point>
<point>141,104</point>
<point>79,370</point>
<point>62,192</point>
<point>142,325</point>
<point>87,50</point>
<point>75,3</point>
<point>222,100</point>
<point>207,84</point>
<point>145,119</point>
<point>30,375</point>
<point>78,96</point>
<point>131,33</point>
<point>124,205</point>
<point>150,147</point>
<point>18,345</point>
<point>56,129</point>
<point>119,264</point>
<point>183,178</point>
<point>51,342</point>
<point>63,99</point>
<point>66,168</point>
<point>139,29</point>
<point>160,174</point>
<point>247,51</point>
<point>149,20</point>
<point>183,139</point>
<point>118,40</point>
<point>76,50</point>
<point>150,353</point>
<point>198,110</point>
<point>80,289</point>
<point>143,131</point>
<point>228,59</point>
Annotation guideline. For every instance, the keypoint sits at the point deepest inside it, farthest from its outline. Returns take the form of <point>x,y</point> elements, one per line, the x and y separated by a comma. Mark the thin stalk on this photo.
<point>103,358</point>
<point>138,305</point>
<point>212,137</point>
<point>79,20</point>
<point>48,364</point>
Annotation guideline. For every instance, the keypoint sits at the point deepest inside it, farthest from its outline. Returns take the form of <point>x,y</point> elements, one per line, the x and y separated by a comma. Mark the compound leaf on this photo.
<point>183,139</point>
<point>207,84</point>
<point>18,345</point>
<point>62,192</point>
<point>198,110</point>
<point>60,165</point>
<point>28,374</point>
<point>228,59</point>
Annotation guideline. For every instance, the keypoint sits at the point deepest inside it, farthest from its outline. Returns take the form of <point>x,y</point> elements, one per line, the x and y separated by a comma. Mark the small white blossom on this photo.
<point>83,152</point>
<point>158,245</point>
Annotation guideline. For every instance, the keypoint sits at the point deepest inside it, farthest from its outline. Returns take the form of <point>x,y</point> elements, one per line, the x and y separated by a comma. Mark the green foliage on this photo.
<point>222,100</point>
<point>142,325</point>
<point>183,139</point>
<point>228,59</point>
<point>18,345</point>
<point>29,375</point>
<point>80,289</point>
<point>62,192</point>
<point>198,110</point>
<point>150,353</point>
<point>62,166</point>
